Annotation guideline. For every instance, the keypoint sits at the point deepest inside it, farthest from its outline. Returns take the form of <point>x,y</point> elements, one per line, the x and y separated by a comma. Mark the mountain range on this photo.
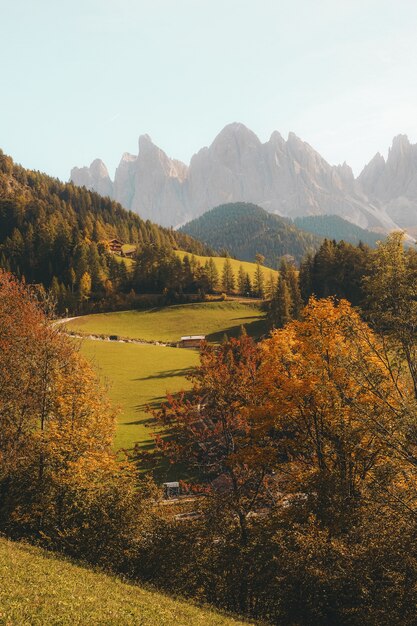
<point>285,177</point>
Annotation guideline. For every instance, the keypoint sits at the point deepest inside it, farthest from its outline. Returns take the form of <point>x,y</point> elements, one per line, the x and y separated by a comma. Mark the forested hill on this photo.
<point>44,225</point>
<point>335,227</point>
<point>245,229</point>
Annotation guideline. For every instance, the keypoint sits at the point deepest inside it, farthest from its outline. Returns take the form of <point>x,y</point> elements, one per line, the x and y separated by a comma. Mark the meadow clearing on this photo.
<point>212,319</point>
<point>140,375</point>
<point>248,267</point>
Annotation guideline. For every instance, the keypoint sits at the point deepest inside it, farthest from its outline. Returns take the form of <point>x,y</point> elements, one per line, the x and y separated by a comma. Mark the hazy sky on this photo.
<point>82,79</point>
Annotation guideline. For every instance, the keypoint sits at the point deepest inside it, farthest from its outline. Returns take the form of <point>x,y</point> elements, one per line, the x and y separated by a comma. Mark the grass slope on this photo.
<point>212,319</point>
<point>38,588</point>
<point>138,376</point>
<point>248,267</point>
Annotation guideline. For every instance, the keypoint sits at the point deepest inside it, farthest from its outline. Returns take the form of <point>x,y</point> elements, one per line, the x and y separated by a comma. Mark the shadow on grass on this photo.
<point>185,371</point>
<point>254,329</point>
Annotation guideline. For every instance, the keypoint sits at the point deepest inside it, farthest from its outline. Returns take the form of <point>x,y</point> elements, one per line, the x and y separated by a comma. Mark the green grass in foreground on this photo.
<point>138,375</point>
<point>212,319</point>
<point>38,588</point>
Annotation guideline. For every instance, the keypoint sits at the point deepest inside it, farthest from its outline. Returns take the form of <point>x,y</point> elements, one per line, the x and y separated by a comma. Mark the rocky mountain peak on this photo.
<point>96,178</point>
<point>288,178</point>
<point>400,145</point>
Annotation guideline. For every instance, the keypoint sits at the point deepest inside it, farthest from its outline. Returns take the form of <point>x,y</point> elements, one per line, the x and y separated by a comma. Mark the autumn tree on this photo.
<point>56,433</point>
<point>336,406</point>
<point>391,299</point>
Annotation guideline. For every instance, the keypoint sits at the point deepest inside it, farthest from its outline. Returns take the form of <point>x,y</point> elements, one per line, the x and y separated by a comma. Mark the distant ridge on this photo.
<point>245,229</point>
<point>334,227</point>
<point>285,177</point>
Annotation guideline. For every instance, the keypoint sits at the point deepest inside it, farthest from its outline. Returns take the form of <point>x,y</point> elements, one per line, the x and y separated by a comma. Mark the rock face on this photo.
<point>393,183</point>
<point>288,178</point>
<point>95,177</point>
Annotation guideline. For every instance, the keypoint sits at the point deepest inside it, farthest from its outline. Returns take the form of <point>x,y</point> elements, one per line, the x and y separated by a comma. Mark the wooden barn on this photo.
<point>191,341</point>
<point>115,245</point>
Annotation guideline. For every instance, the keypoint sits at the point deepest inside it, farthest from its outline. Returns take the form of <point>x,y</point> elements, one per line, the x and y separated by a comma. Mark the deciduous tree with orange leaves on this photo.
<point>56,431</point>
<point>340,411</point>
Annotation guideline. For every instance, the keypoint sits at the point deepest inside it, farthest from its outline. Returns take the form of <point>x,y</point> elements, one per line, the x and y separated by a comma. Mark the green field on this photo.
<point>212,319</point>
<point>40,589</point>
<point>250,268</point>
<point>138,376</point>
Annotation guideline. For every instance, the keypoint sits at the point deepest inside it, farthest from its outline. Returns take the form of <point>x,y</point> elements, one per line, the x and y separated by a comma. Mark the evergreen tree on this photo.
<point>241,280</point>
<point>248,285</point>
<point>259,282</point>
<point>306,277</point>
<point>294,288</point>
<point>280,312</point>
<point>228,279</point>
<point>212,274</point>
<point>84,288</point>
<point>271,286</point>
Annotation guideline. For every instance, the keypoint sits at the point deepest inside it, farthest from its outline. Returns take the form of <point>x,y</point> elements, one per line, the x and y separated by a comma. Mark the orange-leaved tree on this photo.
<point>211,430</point>
<point>56,431</point>
<point>336,409</point>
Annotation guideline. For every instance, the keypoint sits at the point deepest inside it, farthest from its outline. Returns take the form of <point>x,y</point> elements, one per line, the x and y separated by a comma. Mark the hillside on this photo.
<point>334,227</point>
<point>39,588</point>
<point>246,229</point>
<point>212,319</point>
<point>49,229</point>
<point>248,267</point>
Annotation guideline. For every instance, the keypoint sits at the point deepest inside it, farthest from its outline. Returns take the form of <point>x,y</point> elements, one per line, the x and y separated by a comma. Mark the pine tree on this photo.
<point>259,282</point>
<point>212,274</point>
<point>294,288</point>
<point>84,288</point>
<point>228,279</point>
<point>281,305</point>
<point>248,285</point>
<point>241,280</point>
<point>271,286</point>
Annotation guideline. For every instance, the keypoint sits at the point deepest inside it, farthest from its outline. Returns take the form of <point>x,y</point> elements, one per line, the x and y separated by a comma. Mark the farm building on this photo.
<point>115,246</point>
<point>191,341</point>
<point>172,489</point>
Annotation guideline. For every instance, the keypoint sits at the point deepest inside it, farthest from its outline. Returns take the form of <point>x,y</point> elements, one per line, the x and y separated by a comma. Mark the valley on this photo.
<point>139,376</point>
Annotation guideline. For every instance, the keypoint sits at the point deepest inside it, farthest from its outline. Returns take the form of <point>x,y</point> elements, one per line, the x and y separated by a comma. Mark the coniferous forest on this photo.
<point>55,234</point>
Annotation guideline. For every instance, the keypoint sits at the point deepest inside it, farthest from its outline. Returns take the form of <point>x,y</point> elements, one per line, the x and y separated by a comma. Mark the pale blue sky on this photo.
<point>84,78</point>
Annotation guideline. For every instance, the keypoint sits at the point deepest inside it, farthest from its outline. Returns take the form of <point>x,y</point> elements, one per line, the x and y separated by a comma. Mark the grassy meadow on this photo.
<point>250,268</point>
<point>212,319</point>
<point>38,588</point>
<point>138,376</point>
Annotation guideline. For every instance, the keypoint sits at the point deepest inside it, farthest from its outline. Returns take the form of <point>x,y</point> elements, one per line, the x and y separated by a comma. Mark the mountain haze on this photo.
<point>334,227</point>
<point>286,177</point>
